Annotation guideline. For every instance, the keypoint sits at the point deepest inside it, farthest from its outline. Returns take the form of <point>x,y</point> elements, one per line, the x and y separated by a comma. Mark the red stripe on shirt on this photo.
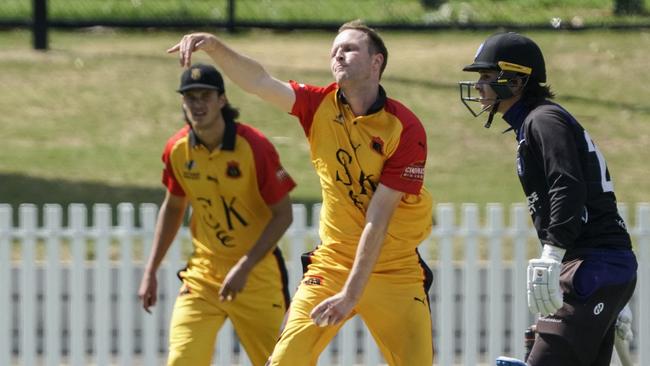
<point>308,99</point>
<point>273,181</point>
<point>404,170</point>
<point>168,178</point>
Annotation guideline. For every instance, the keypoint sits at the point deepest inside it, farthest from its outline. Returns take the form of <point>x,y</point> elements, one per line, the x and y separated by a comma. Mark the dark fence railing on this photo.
<point>412,15</point>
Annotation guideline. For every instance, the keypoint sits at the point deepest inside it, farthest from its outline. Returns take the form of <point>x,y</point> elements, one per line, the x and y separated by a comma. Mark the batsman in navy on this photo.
<point>587,271</point>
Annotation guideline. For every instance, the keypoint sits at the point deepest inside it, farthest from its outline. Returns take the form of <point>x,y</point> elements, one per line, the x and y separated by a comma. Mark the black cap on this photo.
<point>201,76</point>
<point>511,48</point>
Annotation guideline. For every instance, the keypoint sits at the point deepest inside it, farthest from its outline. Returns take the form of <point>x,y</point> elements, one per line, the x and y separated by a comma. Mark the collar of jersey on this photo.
<point>516,115</point>
<point>375,107</point>
<point>229,135</point>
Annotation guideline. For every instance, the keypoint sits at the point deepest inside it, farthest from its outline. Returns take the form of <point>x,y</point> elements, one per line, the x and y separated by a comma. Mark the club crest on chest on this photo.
<point>232,169</point>
<point>377,144</point>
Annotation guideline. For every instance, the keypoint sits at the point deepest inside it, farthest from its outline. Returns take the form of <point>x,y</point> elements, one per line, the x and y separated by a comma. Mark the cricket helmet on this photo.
<point>513,56</point>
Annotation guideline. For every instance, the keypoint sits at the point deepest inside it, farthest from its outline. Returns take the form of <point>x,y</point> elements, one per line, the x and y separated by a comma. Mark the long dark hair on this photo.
<point>229,113</point>
<point>535,93</point>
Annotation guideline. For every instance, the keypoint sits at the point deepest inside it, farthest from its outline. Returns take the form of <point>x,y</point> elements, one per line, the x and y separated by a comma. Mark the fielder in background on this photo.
<point>232,177</point>
<point>587,270</point>
<point>369,151</point>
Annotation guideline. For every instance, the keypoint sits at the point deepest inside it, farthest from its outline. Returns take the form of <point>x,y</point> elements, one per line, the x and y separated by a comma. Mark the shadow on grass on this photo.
<point>16,189</point>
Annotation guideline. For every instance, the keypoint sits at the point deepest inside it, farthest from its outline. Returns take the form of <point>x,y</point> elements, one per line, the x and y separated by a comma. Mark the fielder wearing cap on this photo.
<point>231,176</point>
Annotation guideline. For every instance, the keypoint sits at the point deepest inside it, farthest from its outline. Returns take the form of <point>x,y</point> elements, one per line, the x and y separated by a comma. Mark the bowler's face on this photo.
<point>350,59</point>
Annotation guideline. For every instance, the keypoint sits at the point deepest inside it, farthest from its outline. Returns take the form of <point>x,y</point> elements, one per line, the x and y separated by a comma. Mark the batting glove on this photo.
<point>624,324</point>
<point>544,294</point>
<point>507,361</point>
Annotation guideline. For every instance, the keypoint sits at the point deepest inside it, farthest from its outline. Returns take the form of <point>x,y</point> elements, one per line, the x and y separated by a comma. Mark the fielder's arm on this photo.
<point>247,73</point>
<point>281,219</point>
<point>380,210</point>
<point>170,218</point>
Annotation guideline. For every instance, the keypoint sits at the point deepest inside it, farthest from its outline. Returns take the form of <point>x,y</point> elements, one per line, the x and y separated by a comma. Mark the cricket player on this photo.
<point>369,151</point>
<point>231,176</point>
<point>587,271</point>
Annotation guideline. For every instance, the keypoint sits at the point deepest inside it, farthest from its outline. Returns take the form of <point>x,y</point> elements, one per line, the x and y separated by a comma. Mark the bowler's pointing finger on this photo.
<point>175,48</point>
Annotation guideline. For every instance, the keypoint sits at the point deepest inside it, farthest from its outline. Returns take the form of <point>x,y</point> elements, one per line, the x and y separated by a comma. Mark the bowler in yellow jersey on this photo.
<point>369,152</point>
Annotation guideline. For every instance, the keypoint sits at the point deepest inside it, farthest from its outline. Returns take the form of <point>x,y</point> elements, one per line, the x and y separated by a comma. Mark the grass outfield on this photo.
<point>87,120</point>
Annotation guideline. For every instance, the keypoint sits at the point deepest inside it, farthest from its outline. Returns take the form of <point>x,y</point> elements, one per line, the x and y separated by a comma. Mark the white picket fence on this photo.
<point>68,293</point>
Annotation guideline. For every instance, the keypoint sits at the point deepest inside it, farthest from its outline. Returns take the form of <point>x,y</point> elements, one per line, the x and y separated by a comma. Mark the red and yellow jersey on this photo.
<point>352,155</point>
<point>229,190</point>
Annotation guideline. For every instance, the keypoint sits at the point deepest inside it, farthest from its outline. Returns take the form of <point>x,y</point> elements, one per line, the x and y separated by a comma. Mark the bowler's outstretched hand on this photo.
<point>191,43</point>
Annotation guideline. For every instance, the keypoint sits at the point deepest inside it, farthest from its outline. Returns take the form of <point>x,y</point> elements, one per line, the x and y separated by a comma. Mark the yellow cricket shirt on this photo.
<point>229,189</point>
<point>352,155</point>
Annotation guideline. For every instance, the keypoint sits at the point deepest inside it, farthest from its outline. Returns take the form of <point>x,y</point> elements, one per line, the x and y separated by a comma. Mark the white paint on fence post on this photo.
<point>370,350</point>
<point>27,221</point>
<point>445,284</point>
<point>102,283</point>
<point>5,284</point>
<point>295,246</point>
<point>149,321</point>
<point>471,296</point>
<point>127,284</point>
<point>30,236</point>
<point>643,284</point>
<point>520,319</point>
<point>53,333</point>
<point>225,344</point>
<point>348,345</point>
<point>77,222</point>
<point>495,325</point>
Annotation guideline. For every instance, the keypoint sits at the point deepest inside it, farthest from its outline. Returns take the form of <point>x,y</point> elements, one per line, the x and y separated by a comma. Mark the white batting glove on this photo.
<point>544,294</point>
<point>624,324</point>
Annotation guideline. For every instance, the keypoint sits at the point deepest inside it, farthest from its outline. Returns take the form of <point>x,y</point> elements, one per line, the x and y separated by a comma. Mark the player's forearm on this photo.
<point>277,226</point>
<point>167,225</point>
<point>251,76</point>
<point>242,70</point>
<point>368,251</point>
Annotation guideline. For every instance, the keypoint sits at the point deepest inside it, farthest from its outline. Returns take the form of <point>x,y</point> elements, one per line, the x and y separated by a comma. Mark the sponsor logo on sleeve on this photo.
<point>313,281</point>
<point>414,171</point>
<point>189,173</point>
<point>281,174</point>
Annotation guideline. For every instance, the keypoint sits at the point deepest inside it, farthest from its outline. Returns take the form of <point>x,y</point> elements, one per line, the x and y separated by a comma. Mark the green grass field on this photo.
<point>87,120</point>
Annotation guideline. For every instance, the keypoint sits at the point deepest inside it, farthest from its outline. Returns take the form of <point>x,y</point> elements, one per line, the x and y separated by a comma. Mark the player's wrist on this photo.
<point>553,252</point>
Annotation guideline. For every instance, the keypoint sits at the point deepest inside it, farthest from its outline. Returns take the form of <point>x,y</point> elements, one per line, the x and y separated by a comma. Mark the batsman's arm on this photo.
<point>281,218</point>
<point>170,218</point>
<point>244,71</point>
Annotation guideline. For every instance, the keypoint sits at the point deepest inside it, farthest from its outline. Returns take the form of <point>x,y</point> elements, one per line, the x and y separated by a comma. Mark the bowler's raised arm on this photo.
<point>247,73</point>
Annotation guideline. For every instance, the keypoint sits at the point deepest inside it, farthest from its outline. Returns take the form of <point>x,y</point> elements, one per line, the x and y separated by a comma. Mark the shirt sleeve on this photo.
<point>168,178</point>
<point>308,98</point>
<point>273,181</point>
<point>553,142</point>
<point>404,169</point>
